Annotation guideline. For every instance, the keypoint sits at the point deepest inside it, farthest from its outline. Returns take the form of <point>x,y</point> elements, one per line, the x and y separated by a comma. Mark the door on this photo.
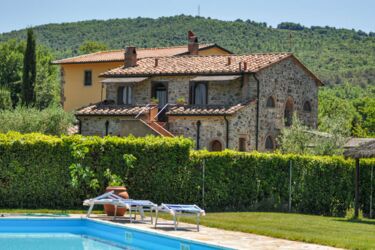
<point>160,92</point>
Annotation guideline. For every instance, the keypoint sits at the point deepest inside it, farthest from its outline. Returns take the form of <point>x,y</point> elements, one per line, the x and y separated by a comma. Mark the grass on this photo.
<point>332,231</point>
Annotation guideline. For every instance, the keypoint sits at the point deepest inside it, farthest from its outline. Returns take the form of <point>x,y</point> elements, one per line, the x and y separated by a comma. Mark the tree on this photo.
<point>295,138</point>
<point>29,70</point>
<point>91,47</point>
<point>47,85</point>
<point>5,100</point>
<point>299,139</point>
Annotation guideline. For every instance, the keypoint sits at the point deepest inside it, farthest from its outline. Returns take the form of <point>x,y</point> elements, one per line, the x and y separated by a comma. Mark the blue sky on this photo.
<point>357,14</point>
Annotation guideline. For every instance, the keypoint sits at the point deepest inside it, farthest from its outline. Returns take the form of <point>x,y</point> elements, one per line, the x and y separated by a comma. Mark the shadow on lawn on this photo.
<point>359,221</point>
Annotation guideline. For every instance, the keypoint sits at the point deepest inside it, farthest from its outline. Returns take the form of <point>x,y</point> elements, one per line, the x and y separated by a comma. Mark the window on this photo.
<point>242,144</point>
<point>307,106</point>
<point>216,146</point>
<point>88,78</point>
<point>269,145</point>
<point>106,127</point>
<point>288,112</point>
<point>124,95</point>
<point>198,93</point>
<point>270,102</point>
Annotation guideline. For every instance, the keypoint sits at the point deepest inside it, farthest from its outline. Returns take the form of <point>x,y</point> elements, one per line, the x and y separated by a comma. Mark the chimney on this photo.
<point>130,57</point>
<point>193,45</point>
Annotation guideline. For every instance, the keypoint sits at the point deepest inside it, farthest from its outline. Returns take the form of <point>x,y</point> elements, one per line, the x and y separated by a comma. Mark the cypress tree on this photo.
<point>29,70</point>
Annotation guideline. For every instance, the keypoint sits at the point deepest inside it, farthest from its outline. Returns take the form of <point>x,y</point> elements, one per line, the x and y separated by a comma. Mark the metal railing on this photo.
<point>161,110</point>
<point>140,112</point>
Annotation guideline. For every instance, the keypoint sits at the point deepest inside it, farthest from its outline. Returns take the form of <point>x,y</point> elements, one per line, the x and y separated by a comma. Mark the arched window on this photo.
<point>270,102</point>
<point>307,106</point>
<point>124,95</point>
<point>288,112</point>
<point>269,144</point>
<point>216,146</point>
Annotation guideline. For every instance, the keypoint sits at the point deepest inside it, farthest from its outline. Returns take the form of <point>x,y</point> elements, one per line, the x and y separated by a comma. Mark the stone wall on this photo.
<point>212,128</point>
<point>282,81</point>
<point>117,126</point>
<point>219,93</point>
<point>243,125</point>
<point>95,125</point>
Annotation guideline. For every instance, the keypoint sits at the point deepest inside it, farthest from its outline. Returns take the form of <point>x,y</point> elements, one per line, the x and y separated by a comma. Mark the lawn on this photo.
<point>331,231</point>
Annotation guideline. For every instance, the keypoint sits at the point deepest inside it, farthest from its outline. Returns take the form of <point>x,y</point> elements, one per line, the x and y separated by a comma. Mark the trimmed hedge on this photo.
<point>34,173</point>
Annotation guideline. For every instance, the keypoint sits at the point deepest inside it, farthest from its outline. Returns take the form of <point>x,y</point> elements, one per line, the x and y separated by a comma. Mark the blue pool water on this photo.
<point>84,234</point>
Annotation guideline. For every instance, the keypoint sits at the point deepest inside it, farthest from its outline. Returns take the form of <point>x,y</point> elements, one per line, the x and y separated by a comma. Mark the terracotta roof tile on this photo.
<point>205,110</point>
<point>118,55</point>
<point>111,109</point>
<point>215,64</point>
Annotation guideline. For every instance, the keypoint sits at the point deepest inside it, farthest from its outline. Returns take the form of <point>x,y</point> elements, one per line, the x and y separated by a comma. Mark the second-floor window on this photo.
<point>88,78</point>
<point>124,95</point>
<point>198,93</point>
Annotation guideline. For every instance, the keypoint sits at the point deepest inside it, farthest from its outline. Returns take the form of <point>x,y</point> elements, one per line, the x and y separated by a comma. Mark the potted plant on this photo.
<point>154,101</point>
<point>181,101</point>
<point>117,185</point>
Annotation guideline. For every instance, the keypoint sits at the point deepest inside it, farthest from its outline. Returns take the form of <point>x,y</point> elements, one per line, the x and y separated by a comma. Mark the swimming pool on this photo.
<point>85,234</point>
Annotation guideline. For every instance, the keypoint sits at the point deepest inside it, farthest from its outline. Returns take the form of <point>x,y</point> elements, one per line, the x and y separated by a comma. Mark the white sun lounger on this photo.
<point>133,206</point>
<point>179,210</point>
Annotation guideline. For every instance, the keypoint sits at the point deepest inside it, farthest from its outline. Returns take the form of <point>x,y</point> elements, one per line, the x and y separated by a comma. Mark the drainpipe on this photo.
<point>227,132</point>
<point>257,114</point>
<point>198,132</point>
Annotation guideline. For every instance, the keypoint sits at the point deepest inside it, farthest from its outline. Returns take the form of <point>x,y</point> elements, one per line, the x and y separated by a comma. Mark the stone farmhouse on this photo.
<point>219,100</point>
<point>80,81</point>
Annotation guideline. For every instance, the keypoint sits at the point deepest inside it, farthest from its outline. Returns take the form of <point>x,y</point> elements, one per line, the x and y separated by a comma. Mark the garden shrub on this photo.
<point>35,173</point>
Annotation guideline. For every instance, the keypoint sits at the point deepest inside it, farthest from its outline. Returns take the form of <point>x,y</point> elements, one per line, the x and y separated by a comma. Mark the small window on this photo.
<point>198,93</point>
<point>124,95</point>
<point>307,106</point>
<point>216,146</point>
<point>288,112</point>
<point>269,145</point>
<point>106,127</point>
<point>270,102</point>
<point>242,144</point>
<point>88,78</point>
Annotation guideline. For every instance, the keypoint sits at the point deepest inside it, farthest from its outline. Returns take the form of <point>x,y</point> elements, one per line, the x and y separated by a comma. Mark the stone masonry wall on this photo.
<point>95,125</point>
<point>219,93</point>
<point>212,128</point>
<point>282,81</point>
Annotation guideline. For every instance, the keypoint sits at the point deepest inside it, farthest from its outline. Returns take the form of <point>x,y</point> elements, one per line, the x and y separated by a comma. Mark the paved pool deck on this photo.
<point>225,238</point>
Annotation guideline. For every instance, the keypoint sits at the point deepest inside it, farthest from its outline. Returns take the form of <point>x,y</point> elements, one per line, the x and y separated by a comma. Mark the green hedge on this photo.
<point>34,173</point>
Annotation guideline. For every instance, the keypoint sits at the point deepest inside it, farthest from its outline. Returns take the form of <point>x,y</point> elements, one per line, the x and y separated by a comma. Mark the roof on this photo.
<point>215,78</point>
<point>111,109</point>
<point>205,65</point>
<point>118,55</point>
<point>210,110</point>
<point>364,150</point>
<point>125,80</point>
<point>73,130</point>
<point>355,142</point>
<point>213,64</point>
<point>108,108</point>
